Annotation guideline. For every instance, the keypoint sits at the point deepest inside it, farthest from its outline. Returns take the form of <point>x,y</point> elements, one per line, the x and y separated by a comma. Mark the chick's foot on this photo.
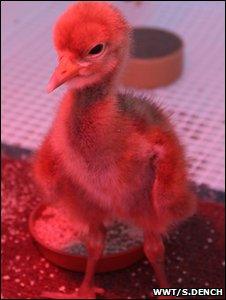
<point>88,293</point>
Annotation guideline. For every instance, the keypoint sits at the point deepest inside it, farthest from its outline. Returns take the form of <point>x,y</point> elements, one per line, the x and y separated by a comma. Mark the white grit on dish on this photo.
<point>57,231</point>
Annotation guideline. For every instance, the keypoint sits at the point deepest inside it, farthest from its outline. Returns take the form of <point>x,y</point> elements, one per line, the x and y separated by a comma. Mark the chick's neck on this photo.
<point>98,92</point>
<point>89,113</point>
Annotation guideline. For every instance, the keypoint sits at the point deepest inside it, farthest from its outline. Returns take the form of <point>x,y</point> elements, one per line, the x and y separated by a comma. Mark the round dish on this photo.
<point>109,262</point>
<point>157,58</point>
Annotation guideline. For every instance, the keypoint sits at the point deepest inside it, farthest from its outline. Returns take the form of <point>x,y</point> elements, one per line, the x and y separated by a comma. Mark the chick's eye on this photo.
<point>96,49</point>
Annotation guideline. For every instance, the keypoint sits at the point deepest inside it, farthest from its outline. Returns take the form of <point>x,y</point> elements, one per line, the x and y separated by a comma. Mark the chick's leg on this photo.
<point>95,246</point>
<point>154,250</point>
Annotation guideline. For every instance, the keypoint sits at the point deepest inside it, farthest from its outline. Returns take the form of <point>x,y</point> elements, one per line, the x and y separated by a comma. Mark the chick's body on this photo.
<point>109,155</point>
<point>104,153</point>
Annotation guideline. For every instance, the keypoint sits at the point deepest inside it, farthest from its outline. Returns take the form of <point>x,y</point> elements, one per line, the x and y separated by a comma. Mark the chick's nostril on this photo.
<point>63,72</point>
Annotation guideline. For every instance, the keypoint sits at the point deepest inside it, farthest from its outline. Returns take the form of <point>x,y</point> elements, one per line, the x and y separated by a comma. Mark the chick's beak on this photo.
<point>65,71</point>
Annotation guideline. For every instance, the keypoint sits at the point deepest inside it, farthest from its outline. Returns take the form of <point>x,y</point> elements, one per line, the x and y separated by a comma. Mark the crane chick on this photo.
<point>109,155</point>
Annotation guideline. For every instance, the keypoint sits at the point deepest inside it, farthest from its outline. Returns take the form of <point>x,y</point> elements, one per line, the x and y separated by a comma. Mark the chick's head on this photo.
<point>92,40</point>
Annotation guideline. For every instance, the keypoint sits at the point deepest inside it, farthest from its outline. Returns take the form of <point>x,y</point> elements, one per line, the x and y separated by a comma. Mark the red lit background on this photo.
<point>195,253</point>
<point>197,98</point>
